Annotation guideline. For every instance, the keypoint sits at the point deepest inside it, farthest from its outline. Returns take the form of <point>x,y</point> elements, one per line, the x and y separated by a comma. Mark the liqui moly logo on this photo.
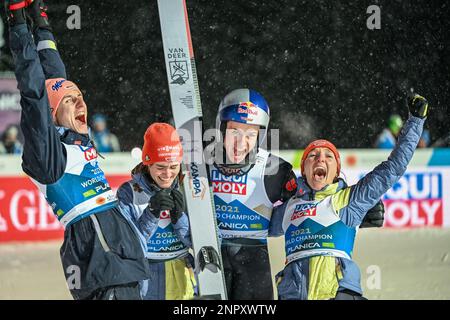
<point>229,184</point>
<point>90,154</point>
<point>304,210</point>
<point>248,108</point>
<point>416,200</point>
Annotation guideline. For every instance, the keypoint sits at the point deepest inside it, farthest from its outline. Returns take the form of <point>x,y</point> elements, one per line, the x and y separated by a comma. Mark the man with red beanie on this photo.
<point>102,255</point>
<point>153,201</point>
<point>320,222</point>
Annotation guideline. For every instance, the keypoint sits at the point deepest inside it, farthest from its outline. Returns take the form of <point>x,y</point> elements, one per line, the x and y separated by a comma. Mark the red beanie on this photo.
<point>57,88</point>
<point>161,144</point>
<point>321,144</point>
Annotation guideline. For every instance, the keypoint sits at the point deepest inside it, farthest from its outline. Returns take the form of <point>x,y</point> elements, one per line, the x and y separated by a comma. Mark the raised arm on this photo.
<point>43,155</point>
<point>51,61</point>
<point>366,193</point>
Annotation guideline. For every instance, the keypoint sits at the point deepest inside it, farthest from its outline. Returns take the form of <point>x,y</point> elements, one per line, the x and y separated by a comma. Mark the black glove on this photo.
<point>161,201</point>
<point>37,12</point>
<point>374,217</point>
<point>417,105</point>
<point>179,207</point>
<point>15,13</point>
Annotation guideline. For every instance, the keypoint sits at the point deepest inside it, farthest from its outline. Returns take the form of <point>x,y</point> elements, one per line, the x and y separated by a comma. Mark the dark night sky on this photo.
<point>322,71</point>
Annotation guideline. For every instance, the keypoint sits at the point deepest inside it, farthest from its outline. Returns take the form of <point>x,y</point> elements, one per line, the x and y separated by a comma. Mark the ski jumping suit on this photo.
<point>320,227</point>
<point>243,204</point>
<point>101,255</point>
<point>172,276</point>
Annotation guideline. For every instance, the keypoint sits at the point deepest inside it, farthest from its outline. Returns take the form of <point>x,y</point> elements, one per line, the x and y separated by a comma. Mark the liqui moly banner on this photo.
<point>421,198</point>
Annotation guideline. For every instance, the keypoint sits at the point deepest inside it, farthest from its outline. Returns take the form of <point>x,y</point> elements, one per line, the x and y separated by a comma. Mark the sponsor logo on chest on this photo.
<point>304,210</point>
<point>164,219</point>
<point>228,184</point>
<point>90,154</point>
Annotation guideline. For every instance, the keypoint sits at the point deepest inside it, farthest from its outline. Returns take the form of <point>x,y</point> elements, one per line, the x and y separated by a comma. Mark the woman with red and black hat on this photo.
<point>155,204</point>
<point>320,222</point>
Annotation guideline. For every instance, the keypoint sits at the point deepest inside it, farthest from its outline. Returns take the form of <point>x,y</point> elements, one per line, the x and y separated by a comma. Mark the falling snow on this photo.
<point>323,72</point>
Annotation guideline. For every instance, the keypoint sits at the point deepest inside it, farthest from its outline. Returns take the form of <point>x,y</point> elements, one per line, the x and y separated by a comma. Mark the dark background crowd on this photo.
<point>322,71</point>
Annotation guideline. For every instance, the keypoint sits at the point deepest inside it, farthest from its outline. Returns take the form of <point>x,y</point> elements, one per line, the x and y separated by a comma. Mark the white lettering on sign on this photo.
<point>416,186</point>
<point>413,213</point>
<point>33,206</point>
<point>3,223</point>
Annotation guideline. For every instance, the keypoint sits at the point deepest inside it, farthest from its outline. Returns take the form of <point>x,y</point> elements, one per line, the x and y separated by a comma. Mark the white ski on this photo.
<point>187,113</point>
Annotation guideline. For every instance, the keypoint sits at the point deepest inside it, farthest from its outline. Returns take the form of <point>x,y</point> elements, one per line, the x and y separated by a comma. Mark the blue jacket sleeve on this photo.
<point>125,197</point>
<point>368,191</point>
<point>276,221</point>
<point>127,209</point>
<point>44,157</point>
<point>147,223</point>
<point>51,61</point>
<point>182,230</point>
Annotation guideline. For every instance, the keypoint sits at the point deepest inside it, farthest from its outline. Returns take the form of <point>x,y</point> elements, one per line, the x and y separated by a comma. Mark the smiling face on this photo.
<point>72,112</point>
<point>320,168</point>
<point>164,173</point>
<point>240,139</point>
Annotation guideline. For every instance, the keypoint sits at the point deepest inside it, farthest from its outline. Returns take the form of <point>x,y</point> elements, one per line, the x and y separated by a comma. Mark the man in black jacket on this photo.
<point>102,255</point>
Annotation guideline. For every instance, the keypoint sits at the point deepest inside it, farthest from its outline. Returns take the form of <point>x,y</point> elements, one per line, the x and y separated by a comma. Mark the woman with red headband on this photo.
<point>153,202</point>
<point>320,222</point>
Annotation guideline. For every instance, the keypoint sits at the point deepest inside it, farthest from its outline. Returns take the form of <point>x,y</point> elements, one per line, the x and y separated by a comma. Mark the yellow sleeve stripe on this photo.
<point>46,44</point>
<point>340,199</point>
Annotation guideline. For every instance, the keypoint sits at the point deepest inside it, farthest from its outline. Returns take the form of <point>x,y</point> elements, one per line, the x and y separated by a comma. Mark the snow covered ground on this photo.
<point>399,264</point>
<point>395,264</point>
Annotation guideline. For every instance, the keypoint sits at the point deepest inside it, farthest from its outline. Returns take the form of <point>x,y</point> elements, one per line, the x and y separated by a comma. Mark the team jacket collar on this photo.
<point>69,136</point>
<point>305,192</point>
